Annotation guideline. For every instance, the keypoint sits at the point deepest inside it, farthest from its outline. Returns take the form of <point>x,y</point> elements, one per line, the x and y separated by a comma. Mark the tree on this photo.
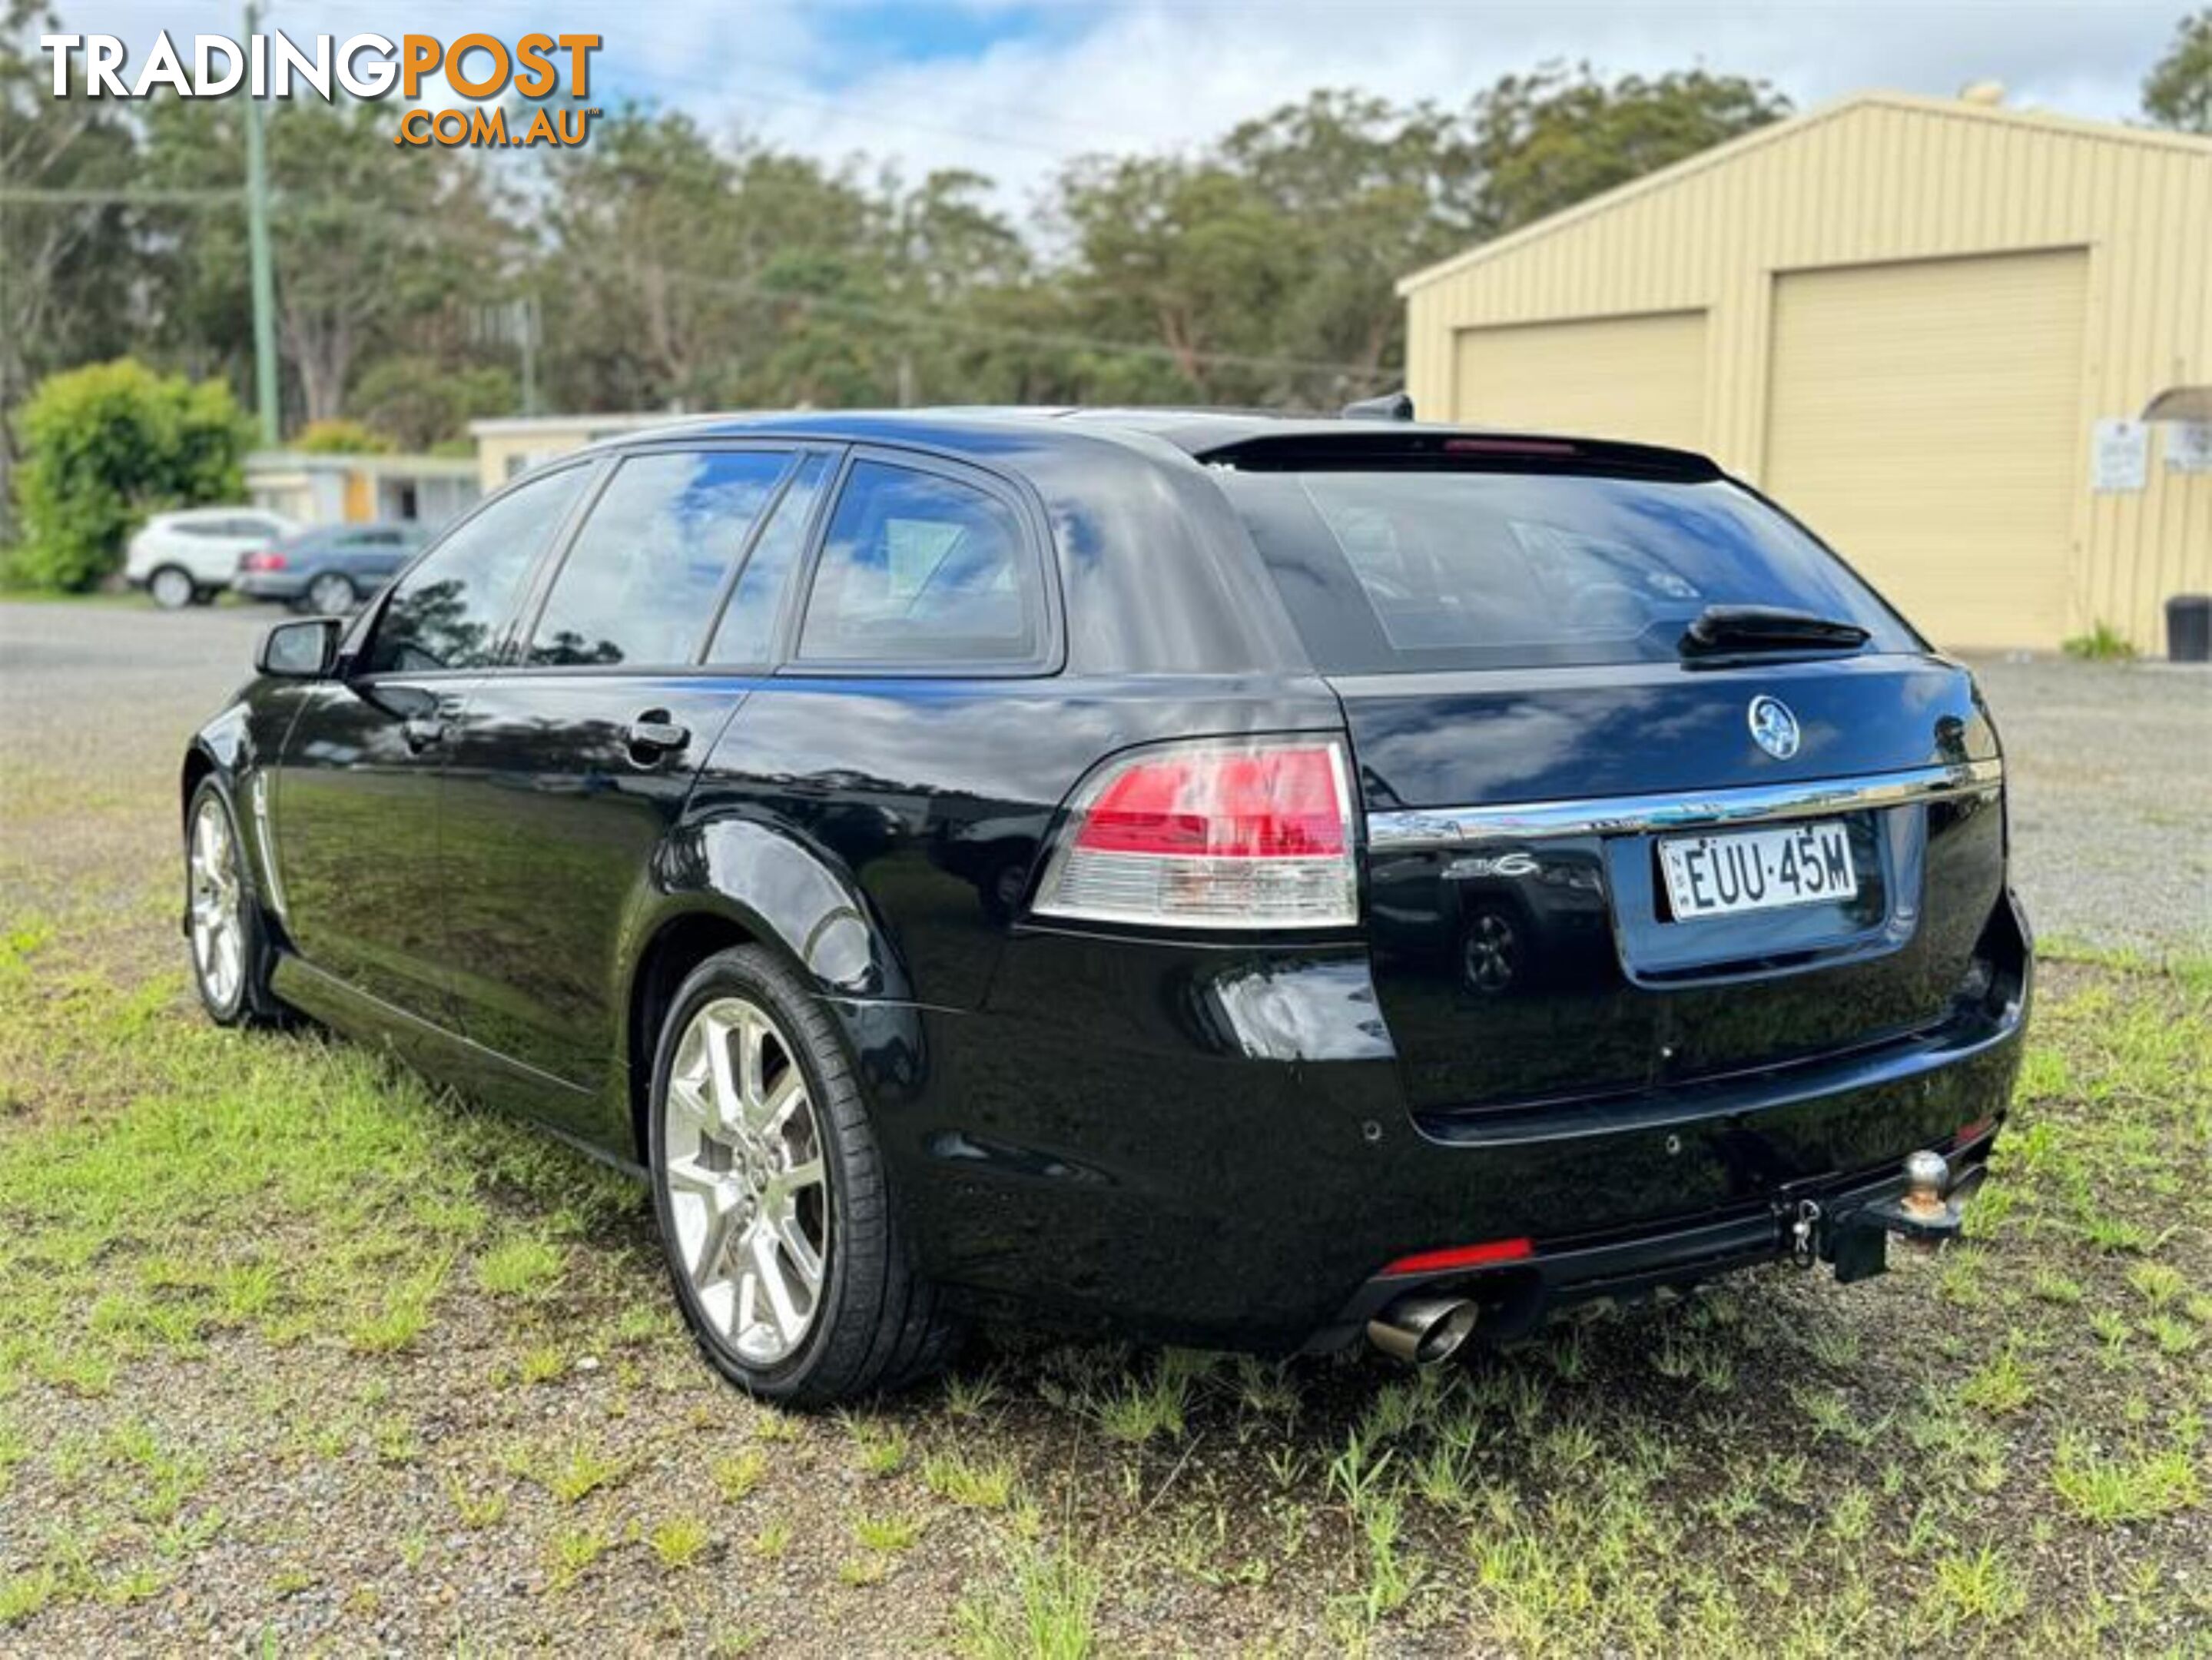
<point>2178,92</point>
<point>375,244</point>
<point>68,261</point>
<point>340,437</point>
<point>107,446</point>
<point>1543,141</point>
<point>1369,191</point>
<point>419,401</point>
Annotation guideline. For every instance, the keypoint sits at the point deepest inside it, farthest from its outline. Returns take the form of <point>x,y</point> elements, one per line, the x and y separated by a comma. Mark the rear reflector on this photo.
<point>1219,834</point>
<point>267,560</point>
<point>1463,1256</point>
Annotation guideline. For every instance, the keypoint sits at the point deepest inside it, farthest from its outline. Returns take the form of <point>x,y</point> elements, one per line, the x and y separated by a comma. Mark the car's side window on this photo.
<point>746,633</point>
<point>642,575</point>
<point>921,567</point>
<point>446,613</point>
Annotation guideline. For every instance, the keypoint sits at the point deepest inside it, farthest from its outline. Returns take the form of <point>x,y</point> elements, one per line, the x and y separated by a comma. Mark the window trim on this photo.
<point>801,563</point>
<point>1048,653</point>
<point>359,638</point>
<point>513,659</point>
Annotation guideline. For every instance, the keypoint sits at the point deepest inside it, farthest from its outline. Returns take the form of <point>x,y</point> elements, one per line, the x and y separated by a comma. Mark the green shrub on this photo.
<point>2102,644</point>
<point>106,447</point>
<point>341,438</point>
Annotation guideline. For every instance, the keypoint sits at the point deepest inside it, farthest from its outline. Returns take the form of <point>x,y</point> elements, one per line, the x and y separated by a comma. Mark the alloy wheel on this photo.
<point>748,1185</point>
<point>172,588</point>
<point>218,938</point>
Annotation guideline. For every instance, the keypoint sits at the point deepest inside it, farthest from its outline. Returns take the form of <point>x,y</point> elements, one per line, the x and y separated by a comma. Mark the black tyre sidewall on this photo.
<point>746,972</point>
<point>250,1002</point>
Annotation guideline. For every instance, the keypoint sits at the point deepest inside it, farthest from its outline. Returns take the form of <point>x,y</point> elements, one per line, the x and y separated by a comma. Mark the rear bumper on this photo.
<point>271,585</point>
<point>1212,1146</point>
<point>1515,1297</point>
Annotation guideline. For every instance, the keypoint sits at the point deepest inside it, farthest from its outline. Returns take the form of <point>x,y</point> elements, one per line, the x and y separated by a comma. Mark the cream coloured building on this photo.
<point>1926,327</point>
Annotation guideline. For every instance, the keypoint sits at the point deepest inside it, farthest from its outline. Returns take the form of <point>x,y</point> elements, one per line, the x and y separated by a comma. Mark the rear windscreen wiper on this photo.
<point>1767,627</point>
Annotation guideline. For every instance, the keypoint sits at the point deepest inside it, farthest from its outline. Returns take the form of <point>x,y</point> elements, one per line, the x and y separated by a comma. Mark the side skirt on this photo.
<point>483,1074</point>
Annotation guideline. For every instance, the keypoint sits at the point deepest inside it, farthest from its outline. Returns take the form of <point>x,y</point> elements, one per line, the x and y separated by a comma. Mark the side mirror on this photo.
<point>299,651</point>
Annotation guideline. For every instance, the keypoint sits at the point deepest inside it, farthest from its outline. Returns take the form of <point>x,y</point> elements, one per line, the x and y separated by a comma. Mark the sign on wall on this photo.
<point>2119,454</point>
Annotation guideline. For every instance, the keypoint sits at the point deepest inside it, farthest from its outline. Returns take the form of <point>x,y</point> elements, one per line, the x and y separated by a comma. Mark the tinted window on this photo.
<point>639,581</point>
<point>1405,569</point>
<point>920,567</point>
<point>448,611</point>
<point>747,632</point>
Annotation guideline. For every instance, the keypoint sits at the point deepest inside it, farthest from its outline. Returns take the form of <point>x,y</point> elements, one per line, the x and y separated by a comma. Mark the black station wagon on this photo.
<point>1225,879</point>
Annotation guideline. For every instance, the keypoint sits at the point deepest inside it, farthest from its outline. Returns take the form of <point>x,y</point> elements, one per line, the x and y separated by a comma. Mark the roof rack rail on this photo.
<point>1390,407</point>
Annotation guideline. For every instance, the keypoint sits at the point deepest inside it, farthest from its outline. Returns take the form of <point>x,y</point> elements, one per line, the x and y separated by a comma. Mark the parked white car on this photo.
<point>187,558</point>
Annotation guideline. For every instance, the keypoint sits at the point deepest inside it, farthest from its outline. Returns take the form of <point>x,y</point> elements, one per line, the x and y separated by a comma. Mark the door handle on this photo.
<point>653,735</point>
<point>422,732</point>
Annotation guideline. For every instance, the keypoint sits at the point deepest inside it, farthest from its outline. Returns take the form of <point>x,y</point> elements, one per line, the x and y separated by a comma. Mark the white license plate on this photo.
<point>1807,863</point>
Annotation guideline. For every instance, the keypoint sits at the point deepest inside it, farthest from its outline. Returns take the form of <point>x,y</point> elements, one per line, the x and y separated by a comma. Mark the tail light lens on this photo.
<point>1227,834</point>
<point>266,559</point>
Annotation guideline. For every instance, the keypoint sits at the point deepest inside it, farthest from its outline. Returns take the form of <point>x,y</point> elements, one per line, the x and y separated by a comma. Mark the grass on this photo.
<point>2103,643</point>
<point>259,1289</point>
<point>1049,1612</point>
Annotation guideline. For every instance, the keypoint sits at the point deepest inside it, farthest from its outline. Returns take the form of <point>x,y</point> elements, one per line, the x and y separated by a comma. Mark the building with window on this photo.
<point>1929,328</point>
<point>352,489</point>
<point>510,446</point>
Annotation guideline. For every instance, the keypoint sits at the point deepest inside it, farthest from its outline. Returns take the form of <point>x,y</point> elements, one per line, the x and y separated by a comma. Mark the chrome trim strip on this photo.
<point>1632,815</point>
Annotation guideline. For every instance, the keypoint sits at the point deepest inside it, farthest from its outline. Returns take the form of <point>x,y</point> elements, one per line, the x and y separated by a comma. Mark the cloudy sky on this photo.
<point>1011,87</point>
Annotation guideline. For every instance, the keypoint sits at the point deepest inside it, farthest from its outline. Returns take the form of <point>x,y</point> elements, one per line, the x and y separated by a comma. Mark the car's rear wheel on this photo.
<point>173,587</point>
<point>774,1203</point>
<point>231,957</point>
<point>330,595</point>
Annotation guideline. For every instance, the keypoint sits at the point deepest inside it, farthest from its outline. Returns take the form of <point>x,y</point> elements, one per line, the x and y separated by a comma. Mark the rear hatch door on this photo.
<point>1534,751</point>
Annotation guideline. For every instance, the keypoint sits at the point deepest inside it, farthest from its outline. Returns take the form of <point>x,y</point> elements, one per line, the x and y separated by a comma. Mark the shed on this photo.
<point>1927,328</point>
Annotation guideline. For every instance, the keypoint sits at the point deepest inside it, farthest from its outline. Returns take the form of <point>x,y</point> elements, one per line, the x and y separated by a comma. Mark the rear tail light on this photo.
<point>1219,834</point>
<point>266,559</point>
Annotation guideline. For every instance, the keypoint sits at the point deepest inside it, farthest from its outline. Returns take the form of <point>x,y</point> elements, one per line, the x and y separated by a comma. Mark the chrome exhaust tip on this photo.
<point>1423,1330</point>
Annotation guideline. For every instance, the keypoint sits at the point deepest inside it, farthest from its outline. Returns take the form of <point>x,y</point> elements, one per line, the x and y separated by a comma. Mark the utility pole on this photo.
<point>265,275</point>
<point>526,317</point>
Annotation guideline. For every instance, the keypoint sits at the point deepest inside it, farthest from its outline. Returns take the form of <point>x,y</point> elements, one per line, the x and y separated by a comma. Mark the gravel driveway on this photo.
<point>297,1355</point>
<point>2111,765</point>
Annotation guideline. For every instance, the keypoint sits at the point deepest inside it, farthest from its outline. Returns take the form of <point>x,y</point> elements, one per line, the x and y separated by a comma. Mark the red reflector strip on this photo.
<point>1463,1256</point>
<point>1973,1132</point>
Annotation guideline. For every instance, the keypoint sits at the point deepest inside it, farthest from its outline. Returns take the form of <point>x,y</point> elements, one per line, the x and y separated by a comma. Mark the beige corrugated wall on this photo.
<point>1921,414</point>
<point>1638,377</point>
<point>1883,179</point>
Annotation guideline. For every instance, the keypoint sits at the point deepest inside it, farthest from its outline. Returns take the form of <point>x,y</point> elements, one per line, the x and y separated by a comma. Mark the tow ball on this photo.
<point>1927,1213</point>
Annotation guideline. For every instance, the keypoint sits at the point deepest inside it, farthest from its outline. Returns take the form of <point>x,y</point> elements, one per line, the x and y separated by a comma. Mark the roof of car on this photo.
<point>1202,434</point>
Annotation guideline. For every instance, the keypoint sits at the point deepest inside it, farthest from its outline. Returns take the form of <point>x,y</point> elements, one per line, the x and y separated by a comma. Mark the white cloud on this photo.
<point>1167,74</point>
<point>1171,75</point>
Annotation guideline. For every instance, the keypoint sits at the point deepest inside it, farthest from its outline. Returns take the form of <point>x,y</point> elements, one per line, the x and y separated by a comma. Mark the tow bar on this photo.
<point>1927,1214</point>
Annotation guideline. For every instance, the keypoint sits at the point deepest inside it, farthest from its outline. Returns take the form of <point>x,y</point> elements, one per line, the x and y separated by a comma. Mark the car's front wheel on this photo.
<point>774,1203</point>
<point>231,957</point>
<point>173,587</point>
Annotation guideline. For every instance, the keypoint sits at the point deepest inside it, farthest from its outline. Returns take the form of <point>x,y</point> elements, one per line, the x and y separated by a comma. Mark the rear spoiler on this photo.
<point>1382,445</point>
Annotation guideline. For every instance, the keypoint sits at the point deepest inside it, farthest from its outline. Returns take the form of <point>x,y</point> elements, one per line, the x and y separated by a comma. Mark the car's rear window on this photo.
<point>1406,569</point>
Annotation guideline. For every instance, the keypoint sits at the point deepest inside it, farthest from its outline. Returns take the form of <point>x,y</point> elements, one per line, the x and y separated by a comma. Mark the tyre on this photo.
<point>173,587</point>
<point>331,594</point>
<point>231,956</point>
<point>774,1207</point>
